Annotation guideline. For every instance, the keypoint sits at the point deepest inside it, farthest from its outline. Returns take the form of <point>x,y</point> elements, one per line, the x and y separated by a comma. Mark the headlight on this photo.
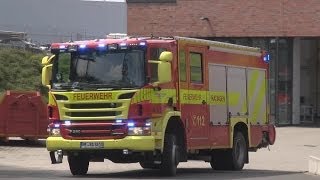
<point>139,131</point>
<point>54,130</point>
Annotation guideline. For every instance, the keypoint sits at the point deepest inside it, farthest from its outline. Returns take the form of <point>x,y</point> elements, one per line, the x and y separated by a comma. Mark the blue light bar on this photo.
<point>266,58</point>
<point>142,43</point>
<point>82,46</point>
<point>101,45</point>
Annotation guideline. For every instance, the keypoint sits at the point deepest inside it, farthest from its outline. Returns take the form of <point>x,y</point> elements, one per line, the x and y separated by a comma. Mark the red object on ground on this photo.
<point>23,114</point>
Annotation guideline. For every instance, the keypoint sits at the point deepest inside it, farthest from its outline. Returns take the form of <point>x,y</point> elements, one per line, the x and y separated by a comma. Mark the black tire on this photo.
<point>149,165</point>
<point>231,159</point>
<point>221,160</point>
<point>170,159</point>
<point>78,164</point>
<point>239,151</point>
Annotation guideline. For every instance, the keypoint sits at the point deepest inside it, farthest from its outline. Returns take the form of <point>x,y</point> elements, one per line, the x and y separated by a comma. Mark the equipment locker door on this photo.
<point>198,119</point>
<point>237,92</point>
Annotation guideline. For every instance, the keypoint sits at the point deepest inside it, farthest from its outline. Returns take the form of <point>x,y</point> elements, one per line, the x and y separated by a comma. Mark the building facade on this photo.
<point>288,30</point>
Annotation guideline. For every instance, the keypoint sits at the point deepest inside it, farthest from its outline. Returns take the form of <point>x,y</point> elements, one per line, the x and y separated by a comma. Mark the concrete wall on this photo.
<point>57,20</point>
<point>226,18</point>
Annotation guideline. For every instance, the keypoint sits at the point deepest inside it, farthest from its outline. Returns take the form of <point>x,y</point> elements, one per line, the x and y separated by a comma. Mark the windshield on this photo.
<point>119,69</point>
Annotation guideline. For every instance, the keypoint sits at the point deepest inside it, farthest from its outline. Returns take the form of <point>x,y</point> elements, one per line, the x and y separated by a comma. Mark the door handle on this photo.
<point>204,102</point>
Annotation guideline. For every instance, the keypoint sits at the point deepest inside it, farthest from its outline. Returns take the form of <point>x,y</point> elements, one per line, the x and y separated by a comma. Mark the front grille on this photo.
<point>92,105</point>
<point>93,114</point>
<point>93,130</point>
<point>94,111</point>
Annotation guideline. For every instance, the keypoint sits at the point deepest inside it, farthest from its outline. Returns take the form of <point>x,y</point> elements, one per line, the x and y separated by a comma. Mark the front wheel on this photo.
<point>78,164</point>
<point>170,158</point>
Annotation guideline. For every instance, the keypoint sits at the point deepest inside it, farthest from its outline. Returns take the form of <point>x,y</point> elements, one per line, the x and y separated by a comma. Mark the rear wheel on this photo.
<point>78,164</point>
<point>231,159</point>
<point>170,159</point>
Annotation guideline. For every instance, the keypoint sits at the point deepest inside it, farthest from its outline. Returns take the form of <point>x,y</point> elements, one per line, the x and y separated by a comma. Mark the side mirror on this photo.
<point>46,75</point>
<point>162,69</point>
<point>166,56</point>
<point>47,60</point>
<point>164,72</point>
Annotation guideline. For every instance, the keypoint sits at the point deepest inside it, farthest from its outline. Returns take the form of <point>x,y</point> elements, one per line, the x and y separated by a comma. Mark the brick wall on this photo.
<point>231,18</point>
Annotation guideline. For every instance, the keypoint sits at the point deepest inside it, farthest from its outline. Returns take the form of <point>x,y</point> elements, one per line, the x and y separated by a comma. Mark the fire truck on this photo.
<point>156,101</point>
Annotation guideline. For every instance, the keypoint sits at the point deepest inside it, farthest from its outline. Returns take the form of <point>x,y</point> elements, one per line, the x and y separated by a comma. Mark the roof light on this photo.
<point>72,48</point>
<point>112,46</point>
<point>82,46</point>
<point>67,123</point>
<point>123,45</point>
<point>101,45</point>
<point>56,125</point>
<point>62,47</point>
<point>142,43</point>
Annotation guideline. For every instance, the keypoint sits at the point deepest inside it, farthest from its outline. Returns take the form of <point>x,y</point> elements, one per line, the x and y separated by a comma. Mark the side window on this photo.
<point>64,68</point>
<point>155,53</point>
<point>196,68</point>
<point>182,66</point>
<point>154,72</point>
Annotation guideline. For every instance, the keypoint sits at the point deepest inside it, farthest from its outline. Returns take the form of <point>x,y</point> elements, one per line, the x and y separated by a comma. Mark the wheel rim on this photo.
<point>239,152</point>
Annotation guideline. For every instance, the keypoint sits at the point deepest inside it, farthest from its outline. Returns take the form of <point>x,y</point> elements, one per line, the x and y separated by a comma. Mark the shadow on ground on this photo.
<point>24,143</point>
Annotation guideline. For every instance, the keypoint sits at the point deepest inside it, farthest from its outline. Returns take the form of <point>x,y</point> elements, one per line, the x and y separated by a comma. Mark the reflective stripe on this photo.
<point>211,97</point>
<point>257,96</point>
<point>155,97</point>
<point>260,110</point>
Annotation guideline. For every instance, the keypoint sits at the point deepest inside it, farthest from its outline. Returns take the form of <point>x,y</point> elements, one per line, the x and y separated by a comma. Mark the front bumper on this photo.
<point>134,143</point>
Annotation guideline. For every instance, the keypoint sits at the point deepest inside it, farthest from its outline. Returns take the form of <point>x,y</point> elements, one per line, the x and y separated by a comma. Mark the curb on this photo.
<point>314,165</point>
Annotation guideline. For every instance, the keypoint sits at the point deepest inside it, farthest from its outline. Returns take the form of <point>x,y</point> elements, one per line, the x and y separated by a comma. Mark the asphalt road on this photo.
<point>7,172</point>
<point>287,159</point>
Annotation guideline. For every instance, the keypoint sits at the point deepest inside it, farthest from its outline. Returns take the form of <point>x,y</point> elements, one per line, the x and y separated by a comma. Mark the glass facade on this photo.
<point>280,73</point>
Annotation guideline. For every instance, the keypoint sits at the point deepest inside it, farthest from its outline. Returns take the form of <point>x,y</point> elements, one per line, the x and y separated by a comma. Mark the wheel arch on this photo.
<point>174,125</point>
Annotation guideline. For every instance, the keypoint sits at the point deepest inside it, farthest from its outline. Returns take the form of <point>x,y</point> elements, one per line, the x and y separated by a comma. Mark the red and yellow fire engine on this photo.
<point>156,101</point>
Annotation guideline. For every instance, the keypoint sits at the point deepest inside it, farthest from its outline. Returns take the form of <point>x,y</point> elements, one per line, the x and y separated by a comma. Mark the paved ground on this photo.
<point>287,159</point>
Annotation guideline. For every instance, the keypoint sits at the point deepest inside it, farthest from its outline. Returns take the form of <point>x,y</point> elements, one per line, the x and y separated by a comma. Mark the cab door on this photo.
<point>196,98</point>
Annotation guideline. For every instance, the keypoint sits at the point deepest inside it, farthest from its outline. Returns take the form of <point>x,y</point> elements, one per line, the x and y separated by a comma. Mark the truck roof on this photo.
<point>220,46</point>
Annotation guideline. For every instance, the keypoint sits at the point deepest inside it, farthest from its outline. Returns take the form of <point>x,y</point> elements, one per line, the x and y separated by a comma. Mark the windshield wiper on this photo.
<point>71,86</point>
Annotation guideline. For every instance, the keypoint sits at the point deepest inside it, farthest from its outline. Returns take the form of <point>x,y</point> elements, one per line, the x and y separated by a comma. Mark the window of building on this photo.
<point>196,67</point>
<point>182,66</point>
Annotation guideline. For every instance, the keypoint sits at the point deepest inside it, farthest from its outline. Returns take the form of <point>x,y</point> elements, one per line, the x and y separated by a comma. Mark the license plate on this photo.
<point>91,145</point>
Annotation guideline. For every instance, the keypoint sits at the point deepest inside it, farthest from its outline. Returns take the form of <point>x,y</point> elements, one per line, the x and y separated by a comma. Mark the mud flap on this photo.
<point>56,157</point>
